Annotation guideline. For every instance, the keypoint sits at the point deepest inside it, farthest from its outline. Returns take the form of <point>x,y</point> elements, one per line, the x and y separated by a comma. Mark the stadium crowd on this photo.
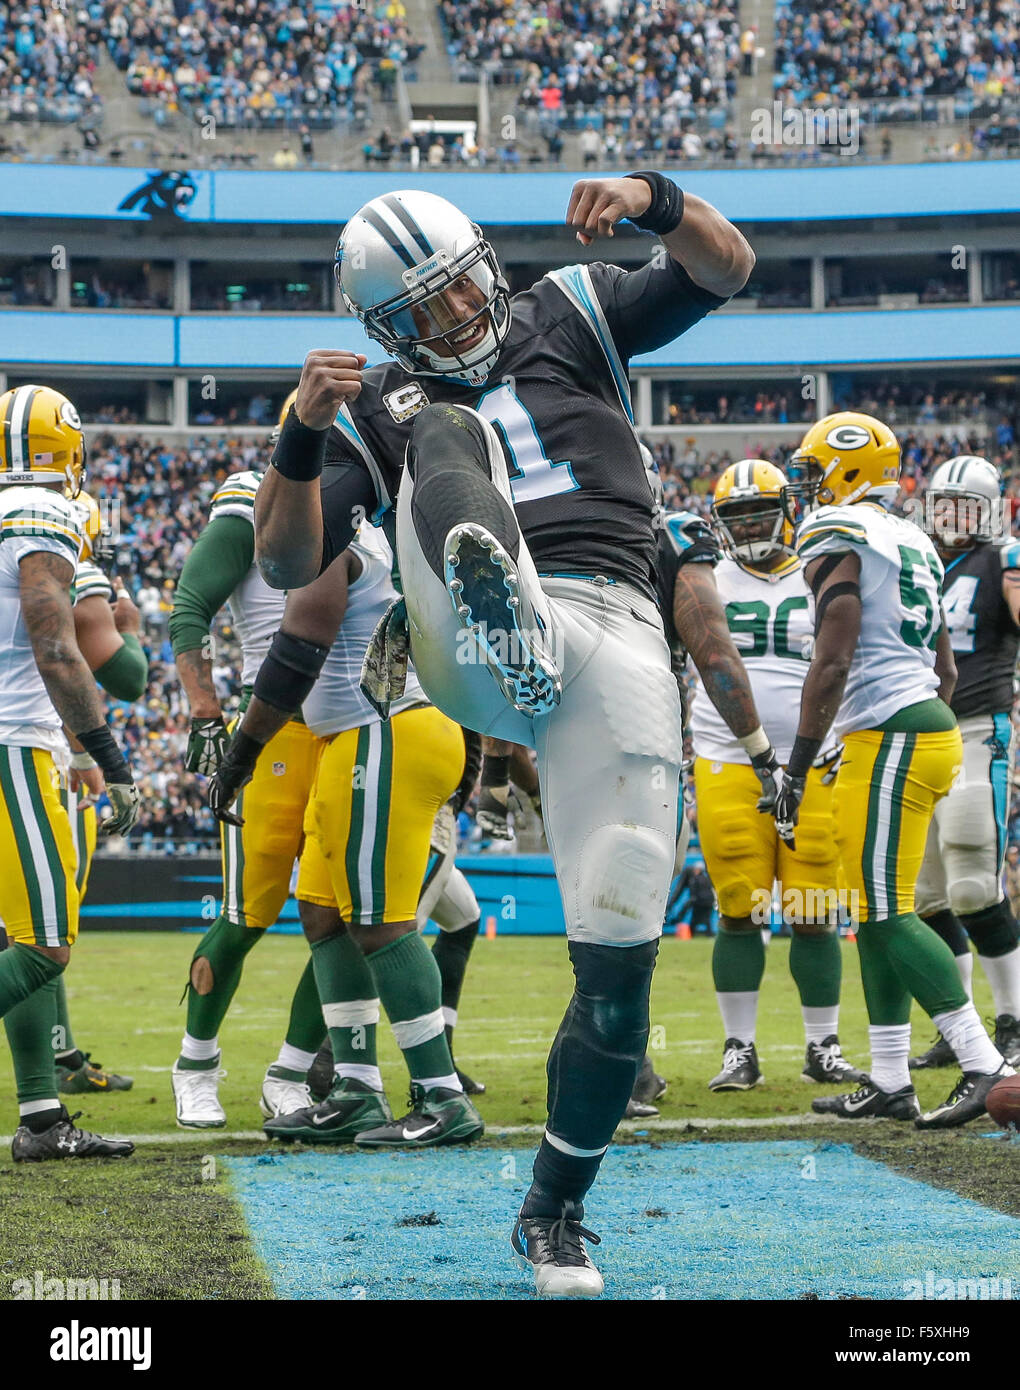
<point>48,56</point>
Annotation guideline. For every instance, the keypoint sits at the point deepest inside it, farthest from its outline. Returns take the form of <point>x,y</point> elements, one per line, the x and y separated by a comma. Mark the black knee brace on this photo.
<point>994,930</point>
<point>946,924</point>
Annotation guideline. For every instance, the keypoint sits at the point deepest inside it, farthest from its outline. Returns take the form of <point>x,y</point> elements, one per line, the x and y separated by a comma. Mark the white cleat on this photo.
<point>196,1095</point>
<point>281,1097</point>
<point>554,1250</point>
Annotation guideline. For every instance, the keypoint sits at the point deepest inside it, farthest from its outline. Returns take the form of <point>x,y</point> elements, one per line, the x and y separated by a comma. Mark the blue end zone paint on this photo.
<point>738,1221</point>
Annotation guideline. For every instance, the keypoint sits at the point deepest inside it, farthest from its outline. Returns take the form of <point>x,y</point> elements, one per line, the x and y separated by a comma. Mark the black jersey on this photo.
<point>983,635</point>
<point>558,397</point>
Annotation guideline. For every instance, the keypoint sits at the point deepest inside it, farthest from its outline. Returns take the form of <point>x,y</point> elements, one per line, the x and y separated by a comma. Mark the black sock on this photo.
<point>946,924</point>
<point>72,1060</point>
<point>592,1069</point>
<point>42,1119</point>
<point>451,950</point>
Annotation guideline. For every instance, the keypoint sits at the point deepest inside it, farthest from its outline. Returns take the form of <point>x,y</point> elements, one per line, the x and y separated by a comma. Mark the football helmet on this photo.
<point>963,503</point>
<point>98,542</point>
<point>274,433</point>
<point>41,439</point>
<point>748,514</point>
<point>842,459</point>
<point>426,285</point>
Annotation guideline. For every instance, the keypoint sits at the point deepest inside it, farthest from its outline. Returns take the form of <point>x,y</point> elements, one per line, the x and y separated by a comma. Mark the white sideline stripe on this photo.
<point>206,1136</point>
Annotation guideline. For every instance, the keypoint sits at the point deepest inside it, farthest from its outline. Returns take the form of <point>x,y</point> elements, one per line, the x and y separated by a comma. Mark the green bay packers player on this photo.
<point>45,688</point>
<point>770,614</point>
<point>258,860</point>
<point>959,891</point>
<point>378,787</point>
<point>882,672</point>
<point>106,628</point>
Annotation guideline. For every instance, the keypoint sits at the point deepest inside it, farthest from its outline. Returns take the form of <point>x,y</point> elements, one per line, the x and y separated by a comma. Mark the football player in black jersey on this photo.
<point>527,553</point>
<point>959,892</point>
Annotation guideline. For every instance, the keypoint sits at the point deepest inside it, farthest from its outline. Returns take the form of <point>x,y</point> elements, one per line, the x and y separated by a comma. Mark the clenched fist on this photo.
<point>596,205</point>
<point>328,380</point>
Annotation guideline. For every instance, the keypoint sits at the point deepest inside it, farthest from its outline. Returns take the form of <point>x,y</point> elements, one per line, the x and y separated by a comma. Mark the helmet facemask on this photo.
<point>752,528</point>
<point>958,520</point>
<point>800,495</point>
<point>426,328</point>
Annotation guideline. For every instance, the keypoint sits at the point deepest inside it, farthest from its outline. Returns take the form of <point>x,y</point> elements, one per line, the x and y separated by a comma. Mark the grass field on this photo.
<point>168,1223</point>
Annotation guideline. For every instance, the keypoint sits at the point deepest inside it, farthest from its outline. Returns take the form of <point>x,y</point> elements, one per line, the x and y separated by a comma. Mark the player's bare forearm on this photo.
<point>700,621</point>
<point>714,253</point>
<point>288,531</point>
<point>194,669</point>
<point>262,721</point>
<point>945,664</point>
<point>96,631</point>
<point>45,581</point>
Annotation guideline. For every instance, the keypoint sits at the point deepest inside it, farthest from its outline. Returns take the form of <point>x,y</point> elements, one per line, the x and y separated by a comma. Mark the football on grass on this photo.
<point>1004,1102</point>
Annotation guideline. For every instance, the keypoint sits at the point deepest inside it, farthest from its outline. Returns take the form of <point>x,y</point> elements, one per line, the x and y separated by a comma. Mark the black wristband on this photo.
<point>289,670</point>
<point>666,210</point>
<point>802,755</point>
<point>101,745</point>
<point>300,452</point>
<point>495,771</point>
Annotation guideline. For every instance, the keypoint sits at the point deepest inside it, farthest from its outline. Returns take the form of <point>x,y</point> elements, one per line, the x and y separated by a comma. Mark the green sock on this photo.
<point>409,985</point>
<point>304,1029</point>
<point>738,961</point>
<point>23,970</point>
<point>901,957</point>
<point>224,946</point>
<point>63,1040</point>
<point>29,1026</point>
<point>349,1004</point>
<point>816,964</point>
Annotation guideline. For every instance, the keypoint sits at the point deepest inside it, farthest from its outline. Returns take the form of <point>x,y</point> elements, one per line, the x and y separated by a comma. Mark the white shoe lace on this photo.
<point>198,1093</point>
<point>735,1057</point>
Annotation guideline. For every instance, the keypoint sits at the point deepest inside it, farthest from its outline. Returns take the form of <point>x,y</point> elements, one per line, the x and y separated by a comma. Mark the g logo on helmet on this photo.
<point>70,416</point>
<point>848,437</point>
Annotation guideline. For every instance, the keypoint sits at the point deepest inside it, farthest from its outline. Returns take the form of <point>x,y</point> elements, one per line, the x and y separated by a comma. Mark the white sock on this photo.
<point>890,1052</point>
<point>1004,977</point>
<point>819,1024</point>
<point>965,965</point>
<point>294,1059</point>
<point>451,1082</point>
<point>739,1009</point>
<point>371,1076</point>
<point>965,1034</point>
<point>36,1107</point>
<point>199,1049</point>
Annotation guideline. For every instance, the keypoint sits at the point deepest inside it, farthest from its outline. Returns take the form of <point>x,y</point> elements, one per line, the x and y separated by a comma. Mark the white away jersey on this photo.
<point>772,621</point>
<point>255,609</point>
<point>336,702</point>
<point>901,590</point>
<point>31,518</point>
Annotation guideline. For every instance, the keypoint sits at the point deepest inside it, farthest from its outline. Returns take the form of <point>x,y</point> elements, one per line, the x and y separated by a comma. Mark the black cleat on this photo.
<point>553,1248</point>
<point>321,1075</point>
<point>63,1140</point>
<point>966,1101</point>
<point>490,602</point>
<point>940,1054</point>
<point>471,1087</point>
<point>351,1106</point>
<point>824,1062</point>
<point>740,1069</point>
<point>870,1103</point>
<point>649,1086</point>
<point>439,1116</point>
<point>1007,1038</point>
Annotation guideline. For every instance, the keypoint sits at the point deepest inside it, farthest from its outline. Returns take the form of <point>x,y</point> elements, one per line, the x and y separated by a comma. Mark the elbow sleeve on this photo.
<point>126,673</point>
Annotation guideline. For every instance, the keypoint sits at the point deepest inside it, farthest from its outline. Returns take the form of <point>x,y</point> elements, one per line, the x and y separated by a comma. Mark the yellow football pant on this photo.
<point>886,792</point>
<point>369,821</point>
<point>258,857</point>
<point>38,894</point>
<point>744,855</point>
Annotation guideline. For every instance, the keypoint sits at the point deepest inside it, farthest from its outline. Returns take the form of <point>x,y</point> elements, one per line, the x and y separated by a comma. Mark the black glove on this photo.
<point>206,745</point>
<point>770,775</point>
<point>787,808</point>
<point>235,770</point>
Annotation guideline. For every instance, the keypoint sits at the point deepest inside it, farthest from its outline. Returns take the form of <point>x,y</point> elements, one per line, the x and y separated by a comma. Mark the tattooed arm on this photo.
<point>701,625</point>
<point>45,583</point>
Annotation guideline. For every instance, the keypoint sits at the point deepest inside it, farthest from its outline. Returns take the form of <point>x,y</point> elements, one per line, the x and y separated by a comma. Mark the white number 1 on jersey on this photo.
<point>532,474</point>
